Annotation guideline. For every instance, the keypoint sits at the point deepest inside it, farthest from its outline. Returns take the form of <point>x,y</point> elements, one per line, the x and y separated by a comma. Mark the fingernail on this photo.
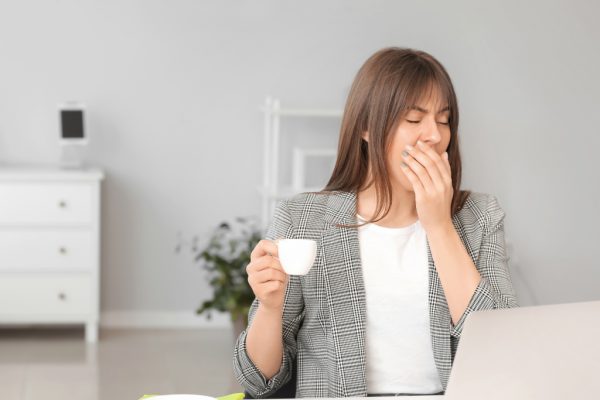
<point>408,147</point>
<point>405,153</point>
<point>404,165</point>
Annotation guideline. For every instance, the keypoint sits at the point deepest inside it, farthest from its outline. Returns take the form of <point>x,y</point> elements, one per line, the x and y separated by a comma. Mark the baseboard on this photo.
<point>162,319</point>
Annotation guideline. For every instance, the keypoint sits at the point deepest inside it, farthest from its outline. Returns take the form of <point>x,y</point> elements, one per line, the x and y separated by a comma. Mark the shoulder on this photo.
<point>481,210</point>
<point>308,214</point>
<point>317,204</point>
<point>301,201</point>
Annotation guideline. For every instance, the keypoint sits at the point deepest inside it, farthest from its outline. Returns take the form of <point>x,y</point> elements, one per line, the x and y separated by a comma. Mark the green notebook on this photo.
<point>233,396</point>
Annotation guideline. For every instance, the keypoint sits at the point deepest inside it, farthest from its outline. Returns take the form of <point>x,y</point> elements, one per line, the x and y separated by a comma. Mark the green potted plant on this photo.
<point>225,257</point>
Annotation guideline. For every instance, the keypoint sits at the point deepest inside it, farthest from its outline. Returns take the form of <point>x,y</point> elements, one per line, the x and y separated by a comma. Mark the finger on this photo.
<point>269,274</point>
<point>437,160</point>
<point>418,153</point>
<point>264,247</point>
<point>263,262</point>
<point>274,286</point>
<point>447,163</point>
<point>418,169</point>
<point>413,179</point>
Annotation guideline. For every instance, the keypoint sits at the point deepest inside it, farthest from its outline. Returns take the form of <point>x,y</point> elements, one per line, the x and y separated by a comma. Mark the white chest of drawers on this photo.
<point>50,247</point>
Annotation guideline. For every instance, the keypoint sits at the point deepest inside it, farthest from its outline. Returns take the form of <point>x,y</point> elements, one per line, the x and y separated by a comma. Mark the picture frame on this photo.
<point>305,179</point>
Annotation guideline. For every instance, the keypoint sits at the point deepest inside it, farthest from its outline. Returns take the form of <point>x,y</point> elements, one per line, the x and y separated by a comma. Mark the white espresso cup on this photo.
<point>296,255</point>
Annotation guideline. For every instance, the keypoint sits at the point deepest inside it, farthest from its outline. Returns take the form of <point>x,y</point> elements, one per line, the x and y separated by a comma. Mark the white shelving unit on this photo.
<point>271,191</point>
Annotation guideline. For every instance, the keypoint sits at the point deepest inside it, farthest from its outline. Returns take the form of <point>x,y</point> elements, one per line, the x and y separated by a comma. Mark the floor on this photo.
<point>52,364</point>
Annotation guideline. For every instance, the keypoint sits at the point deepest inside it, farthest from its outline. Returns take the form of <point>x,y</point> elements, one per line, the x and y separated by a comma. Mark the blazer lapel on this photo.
<point>345,294</point>
<point>439,323</point>
<point>439,313</point>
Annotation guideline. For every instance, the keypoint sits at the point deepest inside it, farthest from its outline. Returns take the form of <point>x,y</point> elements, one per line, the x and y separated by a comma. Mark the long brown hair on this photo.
<point>386,86</point>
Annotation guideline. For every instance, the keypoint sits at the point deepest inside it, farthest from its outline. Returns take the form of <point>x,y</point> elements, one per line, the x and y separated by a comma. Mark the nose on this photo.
<point>431,133</point>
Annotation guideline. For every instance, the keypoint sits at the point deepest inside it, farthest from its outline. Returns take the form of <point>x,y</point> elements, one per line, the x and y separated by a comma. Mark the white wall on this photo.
<point>173,89</point>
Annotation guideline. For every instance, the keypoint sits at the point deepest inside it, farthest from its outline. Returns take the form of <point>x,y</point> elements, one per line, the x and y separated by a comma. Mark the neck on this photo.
<point>403,210</point>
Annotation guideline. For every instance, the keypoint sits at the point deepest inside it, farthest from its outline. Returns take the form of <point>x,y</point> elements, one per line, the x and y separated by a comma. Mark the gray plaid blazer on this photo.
<point>324,311</point>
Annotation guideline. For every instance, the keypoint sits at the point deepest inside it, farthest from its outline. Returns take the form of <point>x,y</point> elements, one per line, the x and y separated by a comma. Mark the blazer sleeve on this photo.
<point>495,289</point>
<point>245,371</point>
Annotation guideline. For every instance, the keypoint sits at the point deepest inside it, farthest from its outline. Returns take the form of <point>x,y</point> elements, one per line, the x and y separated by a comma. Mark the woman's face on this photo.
<point>427,122</point>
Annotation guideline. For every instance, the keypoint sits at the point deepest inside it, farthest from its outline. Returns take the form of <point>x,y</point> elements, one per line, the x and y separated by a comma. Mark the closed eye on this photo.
<point>416,122</point>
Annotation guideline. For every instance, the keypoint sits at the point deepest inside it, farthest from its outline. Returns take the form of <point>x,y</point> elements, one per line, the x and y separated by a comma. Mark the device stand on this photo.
<point>71,156</point>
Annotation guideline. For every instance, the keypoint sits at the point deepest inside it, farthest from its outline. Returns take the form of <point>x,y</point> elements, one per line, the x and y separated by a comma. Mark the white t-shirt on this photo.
<point>398,340</point>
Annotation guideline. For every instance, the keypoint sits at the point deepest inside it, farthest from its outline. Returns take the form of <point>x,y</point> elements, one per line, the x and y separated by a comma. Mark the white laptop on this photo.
<point>541,352</point>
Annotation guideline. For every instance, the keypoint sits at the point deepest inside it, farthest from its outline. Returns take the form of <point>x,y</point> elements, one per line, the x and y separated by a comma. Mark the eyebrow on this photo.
<point>417,108</point>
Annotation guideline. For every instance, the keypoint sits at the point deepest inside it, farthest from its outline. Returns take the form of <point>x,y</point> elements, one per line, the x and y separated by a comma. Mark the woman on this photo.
<point>403,254</point>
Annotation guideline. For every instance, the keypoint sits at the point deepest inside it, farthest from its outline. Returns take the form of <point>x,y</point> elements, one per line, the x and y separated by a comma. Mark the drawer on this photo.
<point>51,294</point>
<point>42,250</point>
<point>45,203</point>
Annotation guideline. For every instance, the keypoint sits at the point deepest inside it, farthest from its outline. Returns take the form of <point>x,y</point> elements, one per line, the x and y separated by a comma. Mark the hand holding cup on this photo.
<point>266,276</point>
<point>271,263</point>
